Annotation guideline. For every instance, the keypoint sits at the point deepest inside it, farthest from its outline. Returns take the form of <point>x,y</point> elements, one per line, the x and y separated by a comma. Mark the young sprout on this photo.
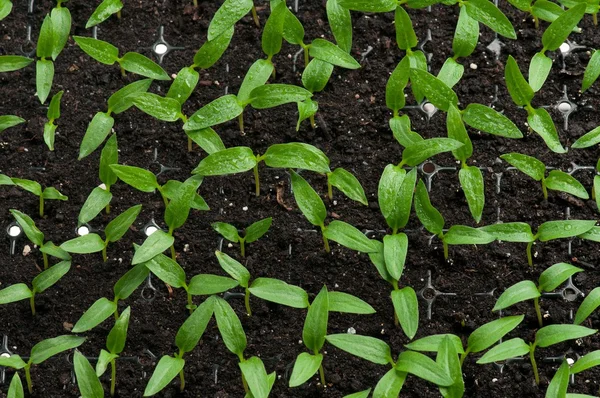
<point>108,157</point>
<point>433,222</point>
<point>39,353</point>
<point>230,12</point>
<point>114,231</point>
<point>540,10</point>
<point>37,238</point>
<point>251,234</point>
<point>550,230</point>
<point>15,389</point>
<point>48,193</point>
<point>314,79</point>
<point>8,121</point>
<point>115,342</point>
<point>544,337</point>
<point>549,280</point>
<point>557,180</point>
<point>53,114</point>
<point>40,283</point>
<point>102,123</point>
<point>590,303</point>
<point>104,11</point>
<point>552,39</point>
<point>272,36</point>
<point>87,381</point>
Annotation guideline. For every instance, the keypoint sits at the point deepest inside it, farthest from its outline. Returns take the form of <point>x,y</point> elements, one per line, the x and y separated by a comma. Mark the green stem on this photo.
<point>164,198</point>
<point>325,241</point>
<point>396,320</point>
<point>241,122</point>
<point>182,379</point>
<point>595,19</point>
<point>104,255</point>
<point>322,374</point>
<point>190,302</point>
<point>243,247</point>
<point>45,257</point>
<point>306,58</point>
<point>119,14</point>
<point>536,21</point>
<point>312,122</point>
<point>536,304</point>
<point>529,257</point>
<point>196,3</point>
<point>123,72</point>
<point>256,179</point>
<point>173,254</point>
<point>28,378</point>
<point>445,249</point>
<point>113,377</point>
<point>32,303</point>
<point>42,205</point>
<point>116,313</point>
<point>189,144</point>
<point>329,188</point>
<point>256,20</point>
<point>463,356</point>
<point>544,189</point>
<point>247,302</point>
<point>534,364</point>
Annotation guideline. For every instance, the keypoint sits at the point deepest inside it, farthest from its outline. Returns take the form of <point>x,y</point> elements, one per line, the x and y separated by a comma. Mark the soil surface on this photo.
<point>353,132</point>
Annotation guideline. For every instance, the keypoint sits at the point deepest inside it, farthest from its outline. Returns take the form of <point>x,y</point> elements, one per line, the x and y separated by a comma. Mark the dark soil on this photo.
<point>353,132</point>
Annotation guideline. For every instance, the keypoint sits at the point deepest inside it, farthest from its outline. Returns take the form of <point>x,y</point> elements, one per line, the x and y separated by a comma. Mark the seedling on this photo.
<point>539,119</point>
<point>97,200</point>
<point>115,342</point>
<point>433,222</point>
<point>549,280</point>
<point>87,381</point>
<point>587,140</point>
<point>592,7</point>
<point>230,12</point>
<point>553,37</point>
<point>40,352</point>
<point>114,231</point>
<point>108,157</point>
<point>544,337</point>
<point>8,121</point>
<point>48,193</point>
<point>102,123</point>
<point>37,238</point>
<point>53,114</point>
<point>16,386</point>
<point>5,9</point>
<point>104,11</point>
<point>590,303</point>
<point>251,234</point>
<point>540,10</point>
<point>557,180</point>
<point>314,79</point>
<point>40,283</point>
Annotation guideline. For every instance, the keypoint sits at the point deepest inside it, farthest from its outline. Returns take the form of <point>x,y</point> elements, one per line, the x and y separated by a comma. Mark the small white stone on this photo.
<point>473,66</point>
<point>102,186</point>
<point>186,248</point>
<point>83,230</point>
<point>351,330</point>
<point>564,48</point>
<point>494,380</point>
<point>26,250</point>
<point>161,49</point>
<point>570,361</point>
<point>14,230</point>
<point>245,208</point>
<point>150,230</point>
<point>382,331</point>
<point>335,202</point>
<point>229,245</point>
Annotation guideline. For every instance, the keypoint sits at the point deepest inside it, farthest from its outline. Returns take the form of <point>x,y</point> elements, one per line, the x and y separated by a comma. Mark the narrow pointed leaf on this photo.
<point>365,347</point>
<point>279,292</point>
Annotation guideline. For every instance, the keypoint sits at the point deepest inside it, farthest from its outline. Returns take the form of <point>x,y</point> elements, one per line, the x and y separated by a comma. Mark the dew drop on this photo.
<point>568,227</point>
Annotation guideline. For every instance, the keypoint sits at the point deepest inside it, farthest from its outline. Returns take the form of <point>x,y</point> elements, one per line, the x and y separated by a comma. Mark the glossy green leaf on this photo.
<point>55,251</point>
<point>15,390</point>
<point>389,191</point>
<point>369,5</point>
<point>272,35</point>
<point>50,347</point>
<point>588,361</point>
<point>429,216</point>
<point>45,41</point>
<point>306,109</point>
<point>340,22</point>
<point>365,347</point>
<point>309,202</point>
<point>541,122</point>
<point>257,229</point>
<point>155,244</point>
<point>230,327</point>
<point>212,50</point>
<point>401,129</point>
<point>7,121</point>
<point>551,230</point>
<point>451,72</point>
<point>593,234</point>
<point>293,31</point>
<point>395,248</point>
<point>87,380</point>
<point>120,224</point>
<point>97,131</point>
<point>50,276</point>
<point>587,140</point>
<point>207,284</point>
<point>526,164</point>
<point>512,348</point>
<point>9,63</point>
<point>510,232</point>
<point>207,139</point>
<point>432,343</point>
<point>103,12</point>
<point>488,14</point>
<point>418,60</point>
<point>539,69</point>
<point>140,64</point>
<point>123,99</point>
<point>348,184</point>
<point>521,291</point>
<point>31,231</point>
<point>486,335</point>
<point>179,206</point>
<point>53,194</point>
<point>417,153</point>
<point>316,75</point>
<point>101,51</point>
<point>297,155</point>
<point>101,310</point>
<point>253,371</point>
<point>592,71</point>
<point>406,308</point>
<point>182,87</point>
<point>228,231</point>
<point>555,275</point>
<point>547,11</point>
<point>44,74</point>
<point>394,89</point>
<point>329,52</point>
<point>518,88</point>
<point>190,333</point>
<point>132,279</point>
<point>390,384</point>
<point>140,179</point>
<point>236,270</point>
<point>13,293</point>
<point>93,205</point>
<point>471,181</point>
<point>272,95</point>
<point>166,269</point>
<point>559,30</point>
<point>349,304</point>
<point>466,35</point>
<point>5,9</point>
<point>590,303</point>
<point>457,131</point>
<point>216,112</point>
<point>257,76</point>
<point>161,108</point>
<point>315,324</point>
<point>61,28</point>
<point>490,121</point>
<point>405,34</point>
<point>279,292</point>
<point>49,135</point>
<point>447,358</point>
<point>115,342</point>
<point>560,382</point>
<point>166,370</point>
<point>103,361</point>
<point>561,181</point>
<point>227,15</point>
<point>554,334</point>
<point>423,367</point>
<point>14,361</point>
<point>436,91</point>
<point>305,367</point>
<point>28,185</point>
<point>464,235</point>
<point>349,236</point>
<point>53,109</point>
<point>228,161</point>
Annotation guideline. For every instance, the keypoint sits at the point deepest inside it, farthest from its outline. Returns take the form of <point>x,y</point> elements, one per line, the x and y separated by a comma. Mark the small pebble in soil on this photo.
<point>473,66</point>
<point>570,361</point>
<point>494,380</point>
<point>26,250</point>
<point>351,330</point>
<point>186,248</point>
<point>102,186</point>
<point>245,208</point>
<point>229,245</point>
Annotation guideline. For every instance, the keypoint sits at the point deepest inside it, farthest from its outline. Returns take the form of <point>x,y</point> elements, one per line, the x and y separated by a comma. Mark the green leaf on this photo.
<point>207,139</point>
<point>28,185</point>
<point>423,367</point>
<point>340,22</point>
<point>521,291</point>
<point>308,200</point>
<point>559,30</point>
<point>518,88</point>
<point>228,161</point>
<point>52,250</point>
<point>98,129</point>
<point>13,293</point>
<point>429,216</point>
<point>369,5</point>
<point>154,245</point>
<point>253,371</point>
<point>418,60</point>
<point>486,335</point>
<point>132,279</point>
<point>541,122</point>
<point>95,202</point>
<point>257,229</point>
<point>349,304</point>
<point>31,231</point>
<point>526,164</point>
<point>228,231</point>
<point>15,390</point>
<point>9,63</point>
<point>101,310</point>
<point>436,91</point>
<point>390,384</point>
<point>555,275</point>
<point>592,234</point>
<point>297,155</point>
<point>236,270</point>
<point>560,181</point>
<point>588,361</point>
<point>190,333</point>
<point>279,292</point>
<point>230,327</point>
<point>589,305</point>
<point>272,36</point>
<point>554,334</point>
<point>451,72</point>
<point>365,347</point>
<point>161,108</point>
<point>5,9</point>
<point>61,28</point>
<point>293,31</point>
<point>315,324</point>
<point>512,348</point>
<point>257,76</point>
<point>551,230</point>
<point>560,382</point>
<point>510,232</point>
<point>587,140</point>
<point>402,131</point>
<point>212,50</point>
<point>305,367</point>
<point>389,194</point>
<point>104,360</point>
<point>87,381</point>
<point>7,121</point>
<point>183,86</point>
<point>14,361</point>
<point>463,235</point>
<point>447,357</point>
<point>207,284</point>
<point>457,131</point>
<point>406,308</point>
<point>49,277</point>
<point>54,194</point>
<point>378,260</point>
<point>178,209</point>
<point>140,179</point>
<point>101,51</point>
<point>142,65</point>
<point>348,184</point>
<point>432,343</point>
<point>120,225</point>
<point>592,71</point>
<point>471,181</point>
<point>417,153</point>
<point>53,109</point>
<point>103,12</point>
<point>466,35</point>
<point>490,121</point>
<point>216,112</point>
<point>167,270</point>
<point>548,11</point>
<point>123,99</point>
<point>394,89</point>
<point>539,69</point>
<point>405,34</point>
<point>272,95</point>
<point>43,78</point>
<point>45,41</point>
<point>349,236</point>
<point>523,5</point>
<point>329,52</point>
<point>227,15</point>
<point>166,370</point>
<point>316,75</point>
<point>115,342</point>
<point>395,248</point>
<point>50,347</point>
<point>488,14</point>
<point>49,134</point>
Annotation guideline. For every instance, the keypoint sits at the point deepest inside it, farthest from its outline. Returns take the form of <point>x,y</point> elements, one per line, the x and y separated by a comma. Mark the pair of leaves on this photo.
<point>251,234</point>
<point>40,283</point>
<point>53,114</point>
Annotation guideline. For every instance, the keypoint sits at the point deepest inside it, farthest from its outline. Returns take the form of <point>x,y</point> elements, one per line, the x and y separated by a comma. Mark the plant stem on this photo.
<point>247,302</point>
<point>536,21</point>
<point>164,198</point>
<point>396,320</point>
<point>595,19</point>
<point>173,254</point>
<point>113,377</point>
<point>42,205</point>
<point>463,356</point>
<point>45,257</point>
<point>119,14</point>
<point>32,304</point>
<point>241,122</point>
<point>329,189</point>
<point>28,378</point>
<point>256,20</point>
<point>195,3</point>
<point>189,144</point>
<point>243,247</point>
<point>190,302</point>
<point>544,189</point>
<point>306,58</point>
<point>182,379</point>
<point>529,258</point>
<point>104,255</point>
<point>322,374</point>
<point>312,122</point>
<point>445,249</point>
<point>325,241</point>
<point>534,364</point>
<point>123,72</point>
<point>536,304</point>
<point>256,180</point>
